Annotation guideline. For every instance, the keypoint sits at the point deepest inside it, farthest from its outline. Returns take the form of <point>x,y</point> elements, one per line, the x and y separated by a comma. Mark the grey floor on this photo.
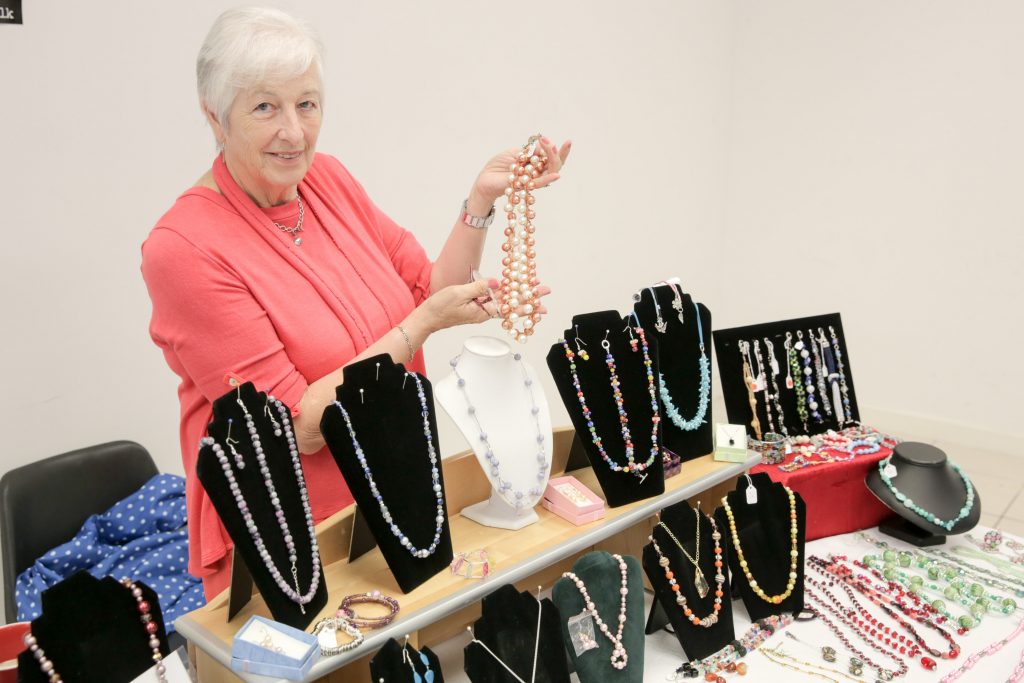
<point>999,480</point>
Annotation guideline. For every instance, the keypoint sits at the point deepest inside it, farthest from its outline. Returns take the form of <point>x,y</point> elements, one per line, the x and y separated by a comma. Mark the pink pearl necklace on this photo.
<point>619,656</point>
<point>518,302</point>
<point>969,663</point>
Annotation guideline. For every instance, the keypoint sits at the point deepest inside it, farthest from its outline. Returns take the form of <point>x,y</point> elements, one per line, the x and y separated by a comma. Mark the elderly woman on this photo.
<point>277,268</point>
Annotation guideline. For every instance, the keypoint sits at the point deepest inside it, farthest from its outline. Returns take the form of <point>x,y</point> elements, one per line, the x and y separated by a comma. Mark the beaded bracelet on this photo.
<point>336,624</point>
<point>472,565</point>
<point>345,610</point>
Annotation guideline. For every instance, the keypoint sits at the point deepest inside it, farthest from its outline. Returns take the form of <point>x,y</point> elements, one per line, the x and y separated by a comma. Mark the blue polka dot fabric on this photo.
<point>143,537</point>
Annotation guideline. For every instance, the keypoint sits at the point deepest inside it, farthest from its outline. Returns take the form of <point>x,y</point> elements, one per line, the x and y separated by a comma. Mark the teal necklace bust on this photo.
<point>887,471</point>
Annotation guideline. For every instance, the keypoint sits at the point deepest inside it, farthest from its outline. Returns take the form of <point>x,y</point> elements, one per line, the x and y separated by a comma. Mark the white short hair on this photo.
<point>248,46</point>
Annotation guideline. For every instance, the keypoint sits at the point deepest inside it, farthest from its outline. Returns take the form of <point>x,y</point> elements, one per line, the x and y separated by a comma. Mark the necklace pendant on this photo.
<point>701,584</point>
<point>661,326</point>
<point>789,382</point>
<point>298,241</point>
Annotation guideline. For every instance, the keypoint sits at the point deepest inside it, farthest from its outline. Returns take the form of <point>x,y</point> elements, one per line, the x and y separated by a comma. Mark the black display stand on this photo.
<point>386,414</point>
<point>734,389</point>
<point>92,632</point>
<point>619,488</point>
<point>253,486</point>
<point>508,626</point>
<point>679,364</point>
<point>395,662</point>
<point>697,642</point>
<point>600,573</point>
<point>763,528</point>
<point>924,475</point>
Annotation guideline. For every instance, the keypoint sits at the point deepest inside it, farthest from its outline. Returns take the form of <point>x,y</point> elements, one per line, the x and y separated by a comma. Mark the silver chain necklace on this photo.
<point>298,225</point>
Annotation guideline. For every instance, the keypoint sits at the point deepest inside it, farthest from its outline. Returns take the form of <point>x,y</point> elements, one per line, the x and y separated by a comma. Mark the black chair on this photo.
<point>45,503</point>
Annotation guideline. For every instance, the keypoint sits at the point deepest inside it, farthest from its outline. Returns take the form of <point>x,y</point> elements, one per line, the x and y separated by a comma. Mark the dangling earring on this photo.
<point>632,340</point>
<point>270,414</point>
<point>239,463</point>
<point>579,349</point>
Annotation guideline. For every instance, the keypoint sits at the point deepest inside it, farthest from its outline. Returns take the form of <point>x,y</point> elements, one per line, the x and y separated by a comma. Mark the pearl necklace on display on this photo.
<point>794,552</point>
<point>294,594</point>
<point>887,471</point>
<point>638,469</point>
<point>435,477</point>
<point>145,616</point>
<point>519,275</point>
<point>703,393</point>
<point>517,499</point>
<point>619,657</point>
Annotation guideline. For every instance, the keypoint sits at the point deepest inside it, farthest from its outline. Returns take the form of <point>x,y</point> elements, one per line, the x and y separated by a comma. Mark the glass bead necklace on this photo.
<point>516,498</point>
<point>435,477</point>
<point>797,386</point>
<point>703,392</point>
<point>843,387</point>
<point>619,657</point>
<point>819,370</point>
<point>699,582</point>
<point>727,659</point>
<point>149,626</point>
<point>808,377</point>
<point>638,469</point>
<point>950,572</point>
<point>986,652</point>
<point>794,552</point>
<point>886,471</point>
<point>282,428</point>
<point>883,673</point>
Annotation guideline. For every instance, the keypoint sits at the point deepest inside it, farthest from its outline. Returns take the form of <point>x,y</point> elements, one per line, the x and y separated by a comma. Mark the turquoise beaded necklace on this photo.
<point>703,394</point>
<point>887,471</point>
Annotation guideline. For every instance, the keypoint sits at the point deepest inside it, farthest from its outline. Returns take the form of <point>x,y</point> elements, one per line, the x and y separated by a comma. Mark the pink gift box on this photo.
<point>571,500</point>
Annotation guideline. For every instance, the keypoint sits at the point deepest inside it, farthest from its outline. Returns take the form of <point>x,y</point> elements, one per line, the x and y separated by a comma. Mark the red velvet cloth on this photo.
<point>838,501</point>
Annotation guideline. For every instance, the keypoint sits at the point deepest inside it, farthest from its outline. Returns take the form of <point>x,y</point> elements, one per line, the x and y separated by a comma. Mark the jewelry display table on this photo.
<point>837,499</point>
<point>446,604</point>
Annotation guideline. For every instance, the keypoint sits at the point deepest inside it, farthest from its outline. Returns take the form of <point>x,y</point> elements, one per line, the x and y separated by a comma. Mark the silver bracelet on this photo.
<point>476,221</point>
<point>337,624</point>
<point>408,344</point>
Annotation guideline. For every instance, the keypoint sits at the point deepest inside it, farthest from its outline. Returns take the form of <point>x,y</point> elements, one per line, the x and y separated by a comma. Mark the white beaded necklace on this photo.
<point>516,498</point>
<point>283,428</point>
<point>619,657</point>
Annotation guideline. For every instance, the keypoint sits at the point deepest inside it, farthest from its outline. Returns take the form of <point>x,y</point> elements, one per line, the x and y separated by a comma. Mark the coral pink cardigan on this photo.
<point>233,295</point>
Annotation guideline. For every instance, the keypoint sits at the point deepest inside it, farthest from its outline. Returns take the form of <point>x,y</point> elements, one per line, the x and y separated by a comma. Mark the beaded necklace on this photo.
<point>831,376</point>
<point>819,369</point>
<point>883,673</point>
<point>797,386</point>
<point>776,395</point>
<point>835,570</point>
<point>727,659</point>
<point>794,553</point>
<point>699,582</point>
<point>435,477</point>
<point>703,393</point>
<point>637,469</point>
<point>766,372</point>
<point>887,471</point>
<point>517,498</point>
<point>619,657</point>
<point>284,428</point>
<point>149,626</point>
<point>808,373</point>
<point>990,650</point>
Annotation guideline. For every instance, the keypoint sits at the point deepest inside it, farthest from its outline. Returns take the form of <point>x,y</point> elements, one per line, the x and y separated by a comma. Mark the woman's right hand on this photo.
<point>459,305</point>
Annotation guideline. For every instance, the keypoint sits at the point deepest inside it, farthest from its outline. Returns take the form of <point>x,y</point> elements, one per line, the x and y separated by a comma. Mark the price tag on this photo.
<point>889,470</point>
<point>751,495</point>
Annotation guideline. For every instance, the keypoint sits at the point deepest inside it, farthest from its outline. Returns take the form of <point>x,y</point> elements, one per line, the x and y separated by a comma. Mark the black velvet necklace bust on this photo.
<point>252,484</point>
<point>678,361</point>
<point>508,626</point>
<point>619,488</point>
<point>926,476</point>
<point>764,532</point>
<point>386,414</point>
<point>90,629</point>
<point>697,642</point>
<point>395,662</point>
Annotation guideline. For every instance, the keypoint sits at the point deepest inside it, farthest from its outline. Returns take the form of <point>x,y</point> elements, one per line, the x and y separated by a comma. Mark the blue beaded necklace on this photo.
<point>703,394</point>
<point>434,474</point>
<point>887,471</point>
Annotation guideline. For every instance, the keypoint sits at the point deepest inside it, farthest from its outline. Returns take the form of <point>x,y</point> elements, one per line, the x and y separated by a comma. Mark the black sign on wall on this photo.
<point>10,11</point>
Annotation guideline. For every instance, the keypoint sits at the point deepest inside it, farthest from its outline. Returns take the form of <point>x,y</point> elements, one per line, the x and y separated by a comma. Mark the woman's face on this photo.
<point>270,137</point>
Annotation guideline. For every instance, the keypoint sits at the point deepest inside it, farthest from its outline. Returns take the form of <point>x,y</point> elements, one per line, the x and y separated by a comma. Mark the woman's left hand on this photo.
<point>493,179</point>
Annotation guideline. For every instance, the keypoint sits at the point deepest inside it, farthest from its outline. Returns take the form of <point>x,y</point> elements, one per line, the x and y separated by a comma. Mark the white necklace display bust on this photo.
<point>495,399</point>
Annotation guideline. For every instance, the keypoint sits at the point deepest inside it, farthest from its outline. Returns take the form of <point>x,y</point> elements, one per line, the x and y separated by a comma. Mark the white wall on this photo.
<point>783,158</point>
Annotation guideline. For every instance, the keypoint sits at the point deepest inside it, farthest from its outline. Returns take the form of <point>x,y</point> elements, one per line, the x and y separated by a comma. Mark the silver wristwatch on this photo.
<point>475,221</point>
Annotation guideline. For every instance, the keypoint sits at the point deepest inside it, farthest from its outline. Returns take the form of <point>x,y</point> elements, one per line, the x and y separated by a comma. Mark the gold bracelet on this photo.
<point>408,344</point>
